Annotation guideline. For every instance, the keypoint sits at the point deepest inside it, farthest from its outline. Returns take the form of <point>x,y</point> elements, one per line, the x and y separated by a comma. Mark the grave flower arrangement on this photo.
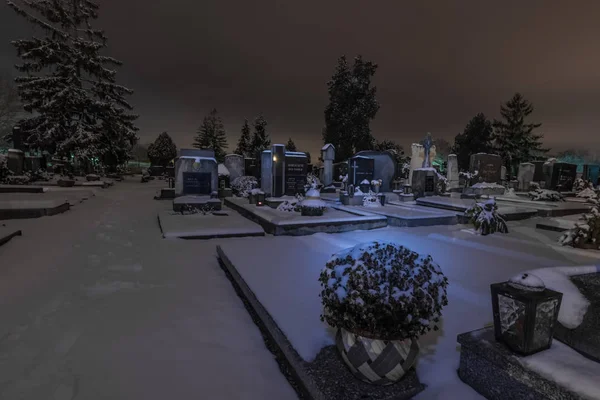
<point>381,297</point>
<point>545,195</point>
<point>291,205</point>
<point>376,184</point>
<point>587,193</point>
<point>468,176</point>
<point>442,183</point>
<point>371,200</point>
<point>242,185</point>
<point>581,184</point>
<point>312,179</point>
<point>485,218</point>
<point>312,205</point>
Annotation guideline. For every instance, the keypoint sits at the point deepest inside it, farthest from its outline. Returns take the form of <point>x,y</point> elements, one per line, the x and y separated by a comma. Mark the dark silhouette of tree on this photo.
<point>352,106</point>
<point>244,146</point>
<point>476,138</point>
<point>260,139</point>
<point>513,138</point>
<point>162,151</point>
<point>211,135</point>
<point>290,146</point>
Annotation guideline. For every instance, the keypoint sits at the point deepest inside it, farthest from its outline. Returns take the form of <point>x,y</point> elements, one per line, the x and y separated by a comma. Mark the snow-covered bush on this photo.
<point>534,186</point>
<point>312,205</point>
<point>545,195</point>
<point>510,193</point>
<point>41,176</point>
<point>581,184</point>
<point>312,180</point>
<point>383,290</point>
<point>468,176</point>
<point>242,185</point>
<point>585,234</point>
<point>291,205</point>
<point>587,193</point>
<point>18,179</point>
<point>485,218</point>
<point>371,200</point>
<point>4,171</point>
<point>442,183</point>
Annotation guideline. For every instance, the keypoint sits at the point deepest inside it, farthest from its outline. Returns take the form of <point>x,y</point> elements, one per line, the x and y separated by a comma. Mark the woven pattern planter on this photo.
<point>380,362</point>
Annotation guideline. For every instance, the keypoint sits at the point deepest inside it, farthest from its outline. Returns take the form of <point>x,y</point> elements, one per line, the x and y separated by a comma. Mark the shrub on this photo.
<point>587,233</point>
<point>291,205</point>
<point>383,291</point>
<point>485,218</point>
<point>4,171</point>
<point>581,184</point>
<point>242,185</point>
<point>534,186</point>
<point>18,179</point>
<point>442,183</point>
<point>545,195</point>
<point>312,181</point>
<point>41,176</point>
<point>371,200</point>
<point>587,193</point>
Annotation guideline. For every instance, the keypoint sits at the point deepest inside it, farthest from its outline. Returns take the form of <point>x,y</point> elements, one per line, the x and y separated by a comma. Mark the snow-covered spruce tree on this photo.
<point>69,87</point>
<point>244,146</point>
<point>290,145</point>
<point>260,138</point>
<point>352,106</point>
<point>485,218</point>
<point>242,185</point>
<point>162,151</point>
<point>211,135</point>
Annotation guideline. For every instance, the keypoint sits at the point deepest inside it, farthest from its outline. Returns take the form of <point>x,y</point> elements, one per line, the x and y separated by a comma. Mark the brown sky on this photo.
<point>440,63</point>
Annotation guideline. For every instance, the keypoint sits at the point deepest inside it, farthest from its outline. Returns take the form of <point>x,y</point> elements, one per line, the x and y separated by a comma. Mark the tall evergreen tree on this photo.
<point>513,138</point>
<point>211,135</point>
<point>244,146</point>
<point>352,106</point>
<point>394,148</point>
<point>69,87</point>
<point>163,150</point>
<point>290,146</point>
<point>476,138</point>
<point>260,139</point>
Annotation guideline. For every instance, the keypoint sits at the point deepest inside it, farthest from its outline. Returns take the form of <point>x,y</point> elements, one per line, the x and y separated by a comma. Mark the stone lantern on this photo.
<point>525,313</point>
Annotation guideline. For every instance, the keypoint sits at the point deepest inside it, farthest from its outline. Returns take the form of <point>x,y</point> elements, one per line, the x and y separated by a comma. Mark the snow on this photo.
<point>469,266</point>
<point>198,159</point>
<point>486,185</point>
<point>426,169</point>
<point>587,193</point>
<point>574,305</point>
<point>126,313</point>
<point>328,145</point>
<point>313,193</point>
<point>222,170</point>
<point>527,281</point>
<point>568,368</point>
<point>295,154</point>
<point>365,182</point>
<point>313,203</point>
<point>256,191</point>
<point>175,225</point>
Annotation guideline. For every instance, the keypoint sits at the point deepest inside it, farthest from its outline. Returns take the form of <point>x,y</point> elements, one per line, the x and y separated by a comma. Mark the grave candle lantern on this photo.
<point>260,199</point>
<point>525,313</point>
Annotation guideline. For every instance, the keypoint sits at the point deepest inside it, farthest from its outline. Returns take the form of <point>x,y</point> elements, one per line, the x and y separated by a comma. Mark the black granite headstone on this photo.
<point>295,173</point>
<point>429,184</point>
<point>563,177</point>
<point>489,167</point>
<point>538,173</point>
<point>196,183</point>
<point>361,168</point>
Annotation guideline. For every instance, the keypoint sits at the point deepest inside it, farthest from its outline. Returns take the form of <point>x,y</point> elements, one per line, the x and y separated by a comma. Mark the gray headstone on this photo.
<point>236,165</point>
<point>196,175</point>
<point>453,174</point>
<point>424,183</point>
<point>525,175</point>
<point>503,173</point>
<point>15,161</point>
<point>488,165</point>
<point>328,155</point>
<point>266,171</point>
<point>384,167</point>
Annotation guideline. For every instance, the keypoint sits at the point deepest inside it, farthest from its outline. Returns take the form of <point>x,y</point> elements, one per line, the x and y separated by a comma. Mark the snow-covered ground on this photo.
<point>94,304</point>
<point>470,262</point>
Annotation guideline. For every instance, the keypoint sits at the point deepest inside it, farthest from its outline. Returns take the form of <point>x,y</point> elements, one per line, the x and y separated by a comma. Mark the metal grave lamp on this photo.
<point>260,199</point>
<point>525,313</point>
<point>407,189</point>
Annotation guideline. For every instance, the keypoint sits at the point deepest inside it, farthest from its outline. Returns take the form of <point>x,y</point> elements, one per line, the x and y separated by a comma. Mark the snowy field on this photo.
<point>95,304</point>
<point>470,262</point>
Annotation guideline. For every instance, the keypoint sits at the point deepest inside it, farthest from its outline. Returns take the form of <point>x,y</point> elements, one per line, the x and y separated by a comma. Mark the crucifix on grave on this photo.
<point>427,143</point>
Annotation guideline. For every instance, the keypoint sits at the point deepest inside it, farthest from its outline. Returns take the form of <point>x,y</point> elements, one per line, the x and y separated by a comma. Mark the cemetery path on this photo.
<point>94,304</point>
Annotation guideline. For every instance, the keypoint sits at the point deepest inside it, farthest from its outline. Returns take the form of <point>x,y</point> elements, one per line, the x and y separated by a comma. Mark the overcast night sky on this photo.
<point>439,63</point>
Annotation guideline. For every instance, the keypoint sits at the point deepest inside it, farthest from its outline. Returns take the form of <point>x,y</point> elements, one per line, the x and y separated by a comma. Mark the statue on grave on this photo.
<point>427,143</point>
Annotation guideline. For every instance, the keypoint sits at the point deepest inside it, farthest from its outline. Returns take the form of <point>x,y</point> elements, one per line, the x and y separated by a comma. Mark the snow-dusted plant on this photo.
<point>383,291</point>
<point>376,182</point>
<point>4,171</point>
<point>311,180</point>
<point>291,205</point>
<point>510,192</point>
<point>405,169</point>
<point>41,176</point>
<point>581,184</point>
<point>442,183</point>
<point>18,179</point>
<point>485,218</point>
<point>344,178</point>
<point>534,186</point>
<point>371,200</point>
<point>312,205</point>
<point>242,185</point>
<point>468,176</point>
<point>587,193</point>
<point>545,195</point>
<point>585,234</point>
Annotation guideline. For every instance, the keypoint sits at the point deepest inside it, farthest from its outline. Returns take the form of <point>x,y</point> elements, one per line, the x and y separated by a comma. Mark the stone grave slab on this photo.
<point>6,234</point>
<point>585,339</point>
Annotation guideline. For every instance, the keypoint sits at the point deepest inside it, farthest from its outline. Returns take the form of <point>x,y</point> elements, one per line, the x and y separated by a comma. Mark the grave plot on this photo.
<point>334,219</point>
<point>545,208</point>
<point>508,212</point>
<point>559,224</point>
<point>280,274</point>
<point>17,209</point>
<point>22,189</point>
<point>71,196</point>
<point>223,224</point>
<point>7,233</point>
<point>404,215</point>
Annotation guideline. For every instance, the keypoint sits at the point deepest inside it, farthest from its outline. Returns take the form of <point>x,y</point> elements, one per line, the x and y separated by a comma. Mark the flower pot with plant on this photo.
<point>376,185</point>
<point>381,297</point>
